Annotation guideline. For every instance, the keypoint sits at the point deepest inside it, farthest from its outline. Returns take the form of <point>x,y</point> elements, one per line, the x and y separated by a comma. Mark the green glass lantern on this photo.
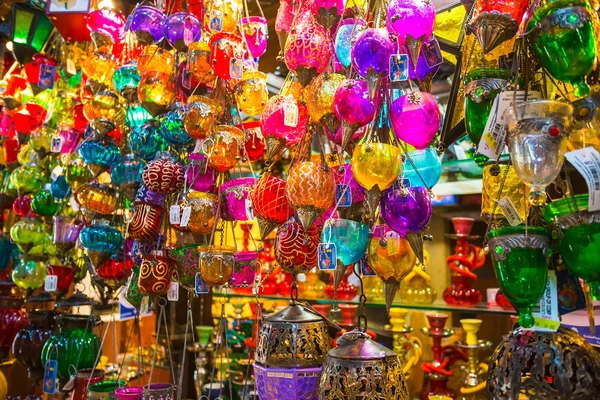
<point>27,179</point>
<point>28,233</point>
<point>132,291</point>
<point>481,88</point>
<point>136,115</point>
<point>521,256</point>
<point>43,204</point>
<point>579,238</point>
<point>73,346</point>
<point>563,39</point>
<point>29,274</point>
<point>30,31</point>
<point>40,140</point>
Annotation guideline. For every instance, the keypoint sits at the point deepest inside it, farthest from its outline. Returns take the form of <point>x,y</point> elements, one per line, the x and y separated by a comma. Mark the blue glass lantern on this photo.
<point>127,174</point>
<point>429,165</point>
<point>145,141</point>
<point>171,126</point>
<point>126,79</point>
<point>136,115</point>
<point>59,188</point>
<point>350,238</point>
<point>100,241</point>
<point>99,154</point>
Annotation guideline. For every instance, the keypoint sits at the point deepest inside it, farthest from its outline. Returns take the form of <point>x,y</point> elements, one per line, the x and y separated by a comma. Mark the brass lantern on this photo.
<point>291,347</point>
<point>360,368</point>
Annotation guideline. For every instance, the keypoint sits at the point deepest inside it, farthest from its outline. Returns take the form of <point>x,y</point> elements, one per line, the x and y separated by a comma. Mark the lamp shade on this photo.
<point>30,30</point>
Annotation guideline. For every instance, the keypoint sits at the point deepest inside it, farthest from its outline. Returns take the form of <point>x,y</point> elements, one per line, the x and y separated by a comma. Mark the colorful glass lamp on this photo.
<point>30,31</point>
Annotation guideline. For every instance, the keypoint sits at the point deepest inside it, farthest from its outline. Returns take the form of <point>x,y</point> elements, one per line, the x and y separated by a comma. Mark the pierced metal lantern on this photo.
<point>360,368</point>
<point>291,347</point>
<point>544,365</point>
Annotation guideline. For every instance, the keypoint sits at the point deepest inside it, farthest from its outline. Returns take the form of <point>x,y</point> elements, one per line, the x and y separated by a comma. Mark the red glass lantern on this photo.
<point>22,205</point>
<point>145,222</point>
<point>163,175</point>
<point>32,70</point>
<point>65,275</point>
<point>296,250</point>
<point>496,21</point>
<point>115,271</point>
<point>255,141</point>
<point>155,273</point>
<point>226,48</point>
<point>270,203</point>
<point>12,320</point>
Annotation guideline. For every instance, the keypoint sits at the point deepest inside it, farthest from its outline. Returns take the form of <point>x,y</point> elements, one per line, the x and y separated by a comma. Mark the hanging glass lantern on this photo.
<point>12,319</point>
<point>278,130</point>
<point>147,23</point>
<point>290,350</point>
<point>271,206</point>
<point>228,11</point>
<point>156,59</point>
<point>132,291</point>
<point>216,264</point>
<point>255,141</point>
<point>199,176</point>
<point>346,34</point>
<point>115,270</point>
<point>163,175</point>
<point>100,241</point>
<point>353,107</point>
<point>155,273</point>
<point>199,62</point>
<point>181,29</point>
<point>29,274</point>
<point>29,342</point>
<point>171,126</point>
<point>351,239</point>
<point>251,92</point>
<point>256,34</point>
<point>222,147</point>
<point>99,154</point>
<point>145,222</point>
<point>156,91</point>
<point>237,196</point>
<point>200,116</point>
<point>371,56</point>
<point>97,198</point>
<point>28,233</point>
<point>64,274</point>
<point>226,48</point>
<point>415,118</point>
<point>296,247</point>
<point>127,174</point>
<point>106,27</point>
<point>145,141</point>
<point>319,96</point>
<point>357,355</point>
<point>187,265</point>
<point>27,179</point>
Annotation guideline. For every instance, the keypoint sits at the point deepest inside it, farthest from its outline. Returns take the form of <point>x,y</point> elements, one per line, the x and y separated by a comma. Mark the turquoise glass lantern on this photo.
<point>127,174</point>
<point>136,115</point>
<point>126,79</point>
<point>100,153</point>
<point>351,239</point>
<point>429,165</point>
<point>345,36</point>
<point>171,126</point>
<point>145,141</point>
<point>100,236</point>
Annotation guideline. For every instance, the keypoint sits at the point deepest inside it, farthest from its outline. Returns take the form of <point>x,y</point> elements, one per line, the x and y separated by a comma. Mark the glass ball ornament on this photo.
<point>346,34</point>
<point>181,29</point>
<point>155,59</point>
<point>163,175</point>
<point>99,68</point>
<point>415,119</point>
<point>146,142</point>
<point>319,96</point>
<point>372,51</point>
<point>126,79</point>
<point>147,23</point>
<point>256,34</point>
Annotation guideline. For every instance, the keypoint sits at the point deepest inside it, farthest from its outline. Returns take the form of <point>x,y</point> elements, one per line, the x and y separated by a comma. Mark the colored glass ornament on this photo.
<point>199,61</point>
<point>147,23</point>
<point>187,265</point>
<point>227,11</point>
<point>203,213</point>
<point>274,127</point>
<point>171,126</point>
<point>376,164</point>
<point>296,247</point>
<point>163,175</point>
<point>145,141</point>
<point>100,241</point>
<point>27,179</point>
<point>156,91</point>
<point>97,198</point>
<point>513,188</point>
<point>200,116</point>
<point>415,118</point>
<point>353,107</point>
<point>27,233</point>
<point>319,96</point>
<point>156,59</point>
<point>251,92</point>
<point>225,49</point>
<point>29,274</point>
<point>99,68</point>
<point>412,21</point>
<point>126,79</point>
<point>237,195</point>
<point>371,56</point>
<point>127,174</point>
<point>351,239</point>
<point>132,291</point>
<point>521,256</point>
<point>99,154</point>
<point>222,147</point>
<point>106,27</point>
<point>145,221</point>
<point>271,206</point>
<point>429,165</point>
<point>346,33</point>
<point>255,141</point>
<point>216,264</point>
<point>12,320</point>
<point>136,115</point>
<point>65,275</point>
<point>43,204</point>
<point>199,176</point>
<point>181,29</point>
<point>66,231</point>
<point>256,34</point>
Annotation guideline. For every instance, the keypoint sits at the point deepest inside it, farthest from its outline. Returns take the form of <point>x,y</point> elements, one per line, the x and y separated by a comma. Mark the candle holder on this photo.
<point>474,382</point>
<point>409,349</point>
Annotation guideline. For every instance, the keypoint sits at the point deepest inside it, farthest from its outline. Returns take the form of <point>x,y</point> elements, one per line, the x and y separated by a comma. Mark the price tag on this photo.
<point>548,319</point>
<point>144,305</point>
<point>56,144</point>
<point>56,172</point>
<point>587,162</point>
<point>393,244</point>
<point>236,68</point>
<point>201,287</point>
<point>50,372</point>
<point>398,67</point>
<point>175,215</point>
<point>365,268</point>
<point>51,283</point>
<point>249,209</point>
<point>216,21</point>
<point>188,34</point>
<point>173,291</point>
<point>71,69</point>
<point>46,77</point>
<point>186,78</point>
<point>432,53</point>
<point>290,114</point>
<point>510,211</point>
<point>185,216</point>
<point>343,195</point>
<point>327,256</point>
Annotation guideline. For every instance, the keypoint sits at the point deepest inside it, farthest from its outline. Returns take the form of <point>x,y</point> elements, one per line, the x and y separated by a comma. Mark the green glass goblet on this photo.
<point>520,256</point>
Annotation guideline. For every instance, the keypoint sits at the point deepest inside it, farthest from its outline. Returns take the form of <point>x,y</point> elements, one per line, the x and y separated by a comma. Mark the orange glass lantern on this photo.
<point>200,116</point>
<point>97,198</point>
<point>227,11</point>
<point>251,92</point>
<point>204,212</point>
<point>319,100</point>
<point>145,222</point>
<point>99,67</point>
<point>216,264</point>
<point>222,147</point>
<point>310,190</point>
<point>156,59</point>
<point>156,91</point>
<point>108,106</point>
<point>391,258</point>
<point>225,49</point>
<point>199,62</point>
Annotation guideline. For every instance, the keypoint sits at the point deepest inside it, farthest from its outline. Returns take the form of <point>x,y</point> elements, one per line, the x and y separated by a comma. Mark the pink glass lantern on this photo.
<point>353,106</point>
<point>256,34</point>
<point>107,27</point>
<point>412,21</point>
<point>277,130</point>
<point>237,194</point>
<point>415,118</point>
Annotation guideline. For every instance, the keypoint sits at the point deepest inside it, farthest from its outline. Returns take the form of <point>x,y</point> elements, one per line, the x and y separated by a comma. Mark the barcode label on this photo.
<point>548,318</point>
<point>290,115</point>
<point>587,163</point>
<point>51,283</point>
<point>510,211</point>
<point>185,216</point>
<point>174,215</point>
<point>173,291</point>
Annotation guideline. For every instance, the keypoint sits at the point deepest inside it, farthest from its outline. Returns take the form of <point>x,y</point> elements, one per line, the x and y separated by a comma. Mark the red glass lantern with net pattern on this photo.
<point>270,203</point>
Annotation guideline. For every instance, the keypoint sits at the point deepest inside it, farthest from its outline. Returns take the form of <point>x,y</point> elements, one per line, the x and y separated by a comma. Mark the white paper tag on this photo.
<point>290,115</point>
<point>56,144</point>
<point>185,216</point>
<point>548,319</point>
<point>175,215</point>
<point>510,211</point>
<point>173,291</point>
<point>188,36</point>
<point>509,98</point>
<point>51,283</point>
<point>71,69</point>
<point>144,305</point>
<point>249,209</point>
<point>56,172</point>
<point>587,162</point>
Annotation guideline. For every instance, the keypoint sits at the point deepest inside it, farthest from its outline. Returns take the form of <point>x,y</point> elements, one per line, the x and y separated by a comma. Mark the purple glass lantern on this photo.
<point>371,56</point>
<point>106,27</point>
<point>245,269</point>
<point>415,118</point>
<point>408,211</point>
<point>199,175</point>
<point>129,393</point>
<point>145,195</point>
<point>148,24</point>
<point>254,30</point>
<point>353,106</point>
<point>412,21</point>
<point>181,29</point>
<point>283,383</point>
<point>423,72</point>
<point>236,193</point>
<point>66,232</point>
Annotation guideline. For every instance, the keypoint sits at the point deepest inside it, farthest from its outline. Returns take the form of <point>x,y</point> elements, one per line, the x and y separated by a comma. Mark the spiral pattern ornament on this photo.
<point>145,222</point>
<point>163,175</point>
<point>155,274</point>
<point>295,249</point>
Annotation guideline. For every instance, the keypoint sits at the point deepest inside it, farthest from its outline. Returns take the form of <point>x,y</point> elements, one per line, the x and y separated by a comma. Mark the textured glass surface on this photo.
<point>448,25</point>
<point>288,384</point>
<point>22,24</point>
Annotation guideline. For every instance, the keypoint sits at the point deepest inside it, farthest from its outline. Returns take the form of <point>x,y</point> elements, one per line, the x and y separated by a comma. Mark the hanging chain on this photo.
<point>495,206</point>
<point>362,317</point>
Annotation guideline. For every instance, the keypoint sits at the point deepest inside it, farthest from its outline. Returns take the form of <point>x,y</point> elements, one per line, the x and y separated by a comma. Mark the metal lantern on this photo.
<point>360,368</point>
<point>291,347</point>
<point>544,365</point>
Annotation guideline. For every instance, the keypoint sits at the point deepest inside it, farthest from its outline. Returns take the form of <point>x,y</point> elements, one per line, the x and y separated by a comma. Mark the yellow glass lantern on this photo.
<point>222,147</point>
<point>200,116</point>
<point>25,154</point>
<point>40,139</point>
<point>100,67</point>
<point>292,87</point>
<point>216,264</point>
<point>156,59</point>
<point>97,198</point>
<point>229,12</point>
<point>29,274</point>
<point>107,105</point>
<point>204,210</point>
<point>156,92</point>
<point>310,189</point>
<point>391,258</point>
<point>199,61</point>
<point>513,188</point>
<point>319,100</point>
<point>376,164</point>
<point>76,172</point>
<point>251,92</point>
